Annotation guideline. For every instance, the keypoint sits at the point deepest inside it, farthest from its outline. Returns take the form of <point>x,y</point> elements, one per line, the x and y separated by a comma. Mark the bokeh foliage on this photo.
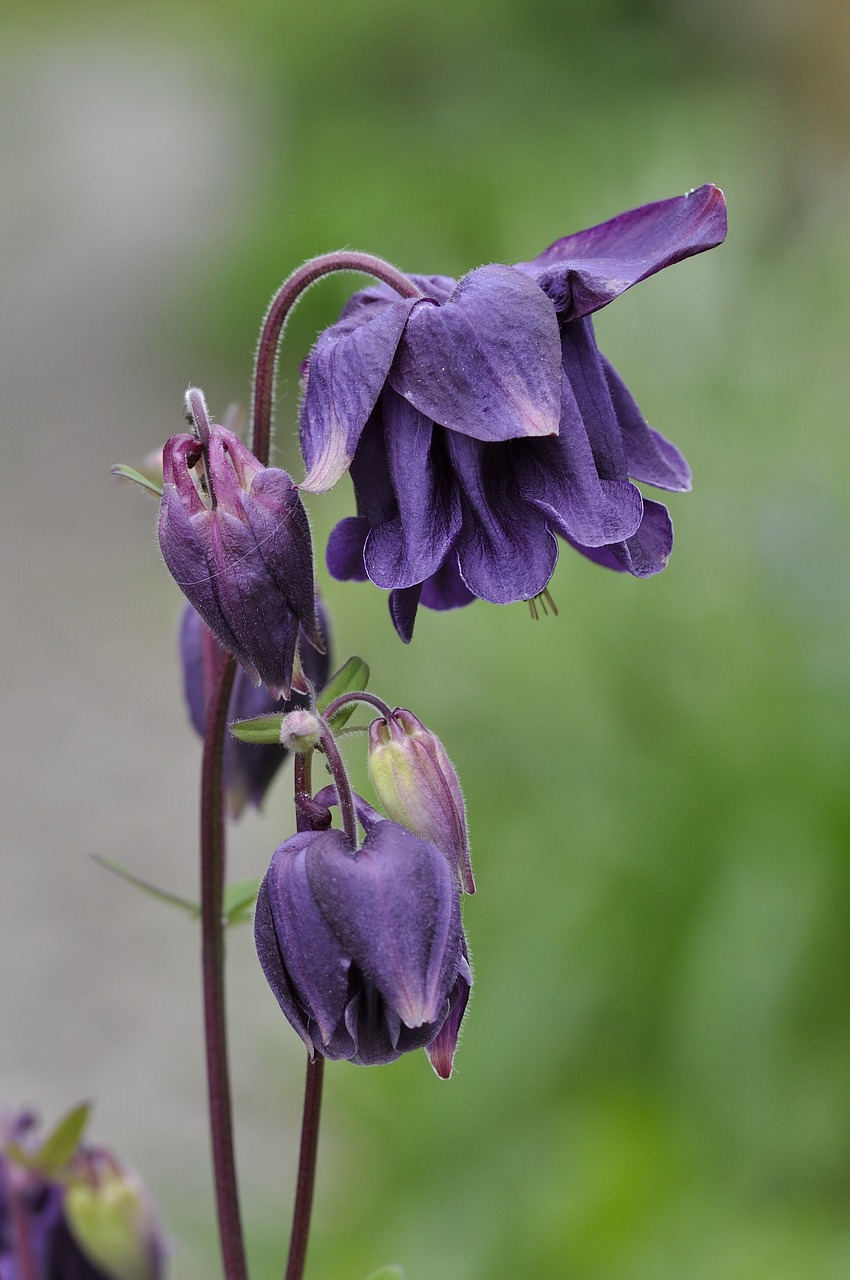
<point>653,1081</point>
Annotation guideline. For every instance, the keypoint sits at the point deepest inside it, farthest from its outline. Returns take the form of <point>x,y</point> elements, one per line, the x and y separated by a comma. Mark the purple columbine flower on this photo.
<point>248,768</point>
<point>363,948</point>
<point>481,419</point>
<point>237,542</point>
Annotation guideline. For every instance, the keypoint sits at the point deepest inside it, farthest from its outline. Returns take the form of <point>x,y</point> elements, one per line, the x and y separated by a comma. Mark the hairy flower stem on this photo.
<point>358,695</point>
<point>265,368</point>
<point>212,963</point>
<point>343,786</point>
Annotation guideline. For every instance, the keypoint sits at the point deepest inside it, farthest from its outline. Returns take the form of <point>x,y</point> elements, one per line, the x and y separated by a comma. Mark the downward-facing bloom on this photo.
<point>249,768</point>
<point>363,948</point>
<point>480,419</point>
<point>237,542</point>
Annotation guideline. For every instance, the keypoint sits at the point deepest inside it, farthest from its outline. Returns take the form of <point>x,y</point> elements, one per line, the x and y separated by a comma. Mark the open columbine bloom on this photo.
<point>480,419</point>
<point>363,948</point>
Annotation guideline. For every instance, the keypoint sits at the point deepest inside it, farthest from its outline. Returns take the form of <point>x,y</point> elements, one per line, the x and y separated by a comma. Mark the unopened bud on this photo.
<point>417,784</point>
<point>112,1218</point>
<point>300,731</point>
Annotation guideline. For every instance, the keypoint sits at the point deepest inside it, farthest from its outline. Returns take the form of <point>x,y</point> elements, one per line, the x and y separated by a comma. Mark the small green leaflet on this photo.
<point>130,473</point>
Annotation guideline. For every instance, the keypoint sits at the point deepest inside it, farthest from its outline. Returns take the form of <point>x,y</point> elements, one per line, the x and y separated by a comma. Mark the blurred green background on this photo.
<point>654,1080</point>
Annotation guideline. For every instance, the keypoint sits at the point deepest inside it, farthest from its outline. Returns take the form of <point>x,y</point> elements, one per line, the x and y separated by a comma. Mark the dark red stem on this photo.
<point>265,369</point>
<point>212,962</point>
<point>306,1168</point>
<point>21,1234</point>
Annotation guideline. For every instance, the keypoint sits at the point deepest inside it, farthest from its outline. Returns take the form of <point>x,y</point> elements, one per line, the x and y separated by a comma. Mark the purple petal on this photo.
<point>446,589</point>
<point>560,478</point>
<point>348,367</point>
<point>649,456</point>
<point>409,548</point>
<point>583,369</point>
<point>403,605</point>
<point>344,553</point>
<point>310,955</point>
<point>585,271</point>
<point>486,363</point>
<point>394,905</point>
<point>505,549</point>
<point>646,552</point>
<point>441,1050</point>
<point>279,523</point>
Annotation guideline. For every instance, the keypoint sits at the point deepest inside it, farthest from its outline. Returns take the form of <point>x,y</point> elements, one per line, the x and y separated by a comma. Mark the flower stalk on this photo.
<point>265,368</point>
<point>213,799</point>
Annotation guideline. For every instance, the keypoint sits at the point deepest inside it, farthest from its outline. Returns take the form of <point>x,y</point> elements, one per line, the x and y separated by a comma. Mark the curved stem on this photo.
<point>358,695</point>
<point>212,961</point>
<point>306,1168</point>
<point>265,367</point>
<point>343,786</point>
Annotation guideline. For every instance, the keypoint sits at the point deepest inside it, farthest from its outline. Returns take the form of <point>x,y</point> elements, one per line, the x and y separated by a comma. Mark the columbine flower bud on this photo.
<point>363,948</point>
<point>237,543</point>
<point>111,1216</point>
<point>416,783</point>
<point>300,731</point>
<point>248,768</point>
<point>87,1216</point>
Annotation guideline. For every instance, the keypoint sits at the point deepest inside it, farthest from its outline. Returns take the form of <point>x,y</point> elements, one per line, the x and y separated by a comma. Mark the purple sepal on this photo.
<point>587,270</point>
<point>486,362</point>
<point>441,1050</point>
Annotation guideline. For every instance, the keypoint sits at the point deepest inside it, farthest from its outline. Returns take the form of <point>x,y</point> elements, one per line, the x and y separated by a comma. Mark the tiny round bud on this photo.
<point>300,731</point>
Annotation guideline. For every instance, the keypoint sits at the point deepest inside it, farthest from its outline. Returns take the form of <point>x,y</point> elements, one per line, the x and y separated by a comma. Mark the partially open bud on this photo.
<point>417,784</point>
<point>236,540</point>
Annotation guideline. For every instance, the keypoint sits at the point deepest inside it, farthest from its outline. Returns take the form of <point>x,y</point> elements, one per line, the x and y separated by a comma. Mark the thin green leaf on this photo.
<point>387,1273</point>
<point>62,1142</point>
<point>239,899</point>
<point>130,473</point>
<point>173,899</point>
<point>262,729</point>
<point>353,675</point>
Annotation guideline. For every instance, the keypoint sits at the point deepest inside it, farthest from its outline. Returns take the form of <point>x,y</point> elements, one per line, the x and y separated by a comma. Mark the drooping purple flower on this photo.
<point>237,543</point>
<point>249,768</point>
<point>363,948</point>
<point>480,420</point>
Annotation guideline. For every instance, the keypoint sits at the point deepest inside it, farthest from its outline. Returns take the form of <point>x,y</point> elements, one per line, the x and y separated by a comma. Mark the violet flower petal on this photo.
<point>348,367</point>
<point>310,955</point>
<point>649,457</point>
<point>393,904</point>
<point>585,271</point>
<point>642,555</point>
<point>441,1050</point>
<point>485,363</point>
<point>505,549</point>
<point>409,548</point>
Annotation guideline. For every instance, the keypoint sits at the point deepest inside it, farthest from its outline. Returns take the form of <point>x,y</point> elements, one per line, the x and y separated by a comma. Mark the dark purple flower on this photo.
<point>481,419</point>
<point>237,543</point>
<point>248,768</point>
<point>363,948</point>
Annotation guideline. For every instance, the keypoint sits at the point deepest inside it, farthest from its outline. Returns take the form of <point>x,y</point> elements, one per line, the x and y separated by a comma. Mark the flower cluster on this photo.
<point>480,419</point>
